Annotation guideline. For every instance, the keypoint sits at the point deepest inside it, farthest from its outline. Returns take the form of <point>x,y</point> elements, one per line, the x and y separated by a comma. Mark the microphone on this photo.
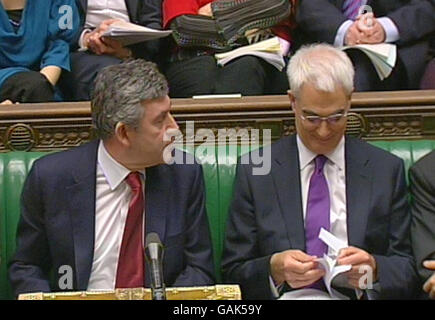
<point>154,258</point>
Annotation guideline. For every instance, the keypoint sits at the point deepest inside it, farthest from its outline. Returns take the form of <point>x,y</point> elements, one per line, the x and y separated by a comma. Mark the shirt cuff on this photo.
<point>341,33</point>
<point>391,31</point>
<point>82,45</point>
<point>275,289</point>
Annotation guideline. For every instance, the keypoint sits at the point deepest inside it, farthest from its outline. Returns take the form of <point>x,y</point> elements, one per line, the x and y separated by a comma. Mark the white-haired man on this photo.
<point>320,178</point>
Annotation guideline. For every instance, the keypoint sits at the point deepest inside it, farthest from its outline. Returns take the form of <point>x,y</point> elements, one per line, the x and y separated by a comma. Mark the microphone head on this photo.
<point>152,237</point>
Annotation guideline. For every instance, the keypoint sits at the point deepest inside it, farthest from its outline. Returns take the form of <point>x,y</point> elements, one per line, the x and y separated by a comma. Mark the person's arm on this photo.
<point>198,251</point>
<point>415,20</point>
<point>423,216</point>
<point>28,270</point>
<point>52,73</point>
<point>320,20</point>
<point>396,268</point>
<point>60,38</point>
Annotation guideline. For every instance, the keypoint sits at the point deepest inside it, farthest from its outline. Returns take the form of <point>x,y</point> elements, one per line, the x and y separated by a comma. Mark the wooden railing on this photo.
<point>374,116</point>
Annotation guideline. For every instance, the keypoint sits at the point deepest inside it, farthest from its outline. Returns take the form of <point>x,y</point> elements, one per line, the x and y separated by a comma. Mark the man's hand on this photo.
<point>353,35</point>
<point>295,267</point>
<point>429,286</point>
<point>372,32</point>
<point>100,45</point>
<point>357,258</point>
<point>7,102</point>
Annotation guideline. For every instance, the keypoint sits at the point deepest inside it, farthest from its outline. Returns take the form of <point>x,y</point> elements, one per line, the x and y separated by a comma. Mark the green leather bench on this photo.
<point>219,171</point>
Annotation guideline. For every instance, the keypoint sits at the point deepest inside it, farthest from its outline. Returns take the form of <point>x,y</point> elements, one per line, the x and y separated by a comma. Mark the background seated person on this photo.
<point>407,23</point>
<point>198,34</point>
<point>422,182</point>
<point>34,48</point>
<point>95,52</point>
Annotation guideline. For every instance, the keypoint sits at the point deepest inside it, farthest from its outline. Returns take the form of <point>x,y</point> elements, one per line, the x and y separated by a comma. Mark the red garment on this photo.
<point>175,8</point>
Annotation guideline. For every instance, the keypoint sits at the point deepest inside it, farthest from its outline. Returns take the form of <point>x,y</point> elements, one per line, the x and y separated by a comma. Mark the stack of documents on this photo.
<point>128,33</point>
<point>383,56</point>
<point>268,50</point>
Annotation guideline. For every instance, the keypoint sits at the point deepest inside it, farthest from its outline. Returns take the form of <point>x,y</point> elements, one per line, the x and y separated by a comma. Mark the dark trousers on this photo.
<point>27,87</point>
<point>428,81</point>
<point>367,79</point>
<point>247,75</point>
<point>77,85</point>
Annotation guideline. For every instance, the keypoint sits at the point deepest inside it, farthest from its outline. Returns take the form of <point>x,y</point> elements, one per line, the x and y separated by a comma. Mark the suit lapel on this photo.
<point>84,4</point>
<point>358,191</point>
<point>157,191</point>
<point>81,195</point>
<point>286,177</point>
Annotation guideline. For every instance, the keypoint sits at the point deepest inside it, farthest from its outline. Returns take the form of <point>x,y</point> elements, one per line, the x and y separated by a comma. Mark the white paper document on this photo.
<point>129,33</point>
<point>268,50</point>
<point>333,272</point>
<point>382,55</point>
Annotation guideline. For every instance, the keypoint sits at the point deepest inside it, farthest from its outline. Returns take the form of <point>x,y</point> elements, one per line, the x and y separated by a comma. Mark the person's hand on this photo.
<point>353,35</point>
<point>116,49</point>
<point>7,102</point>
<point>429,285</point>
<point>295,267</point>
<point>372,32</point>
<point>95,43</point>
<point>359,260</point>
<point>206,10</point>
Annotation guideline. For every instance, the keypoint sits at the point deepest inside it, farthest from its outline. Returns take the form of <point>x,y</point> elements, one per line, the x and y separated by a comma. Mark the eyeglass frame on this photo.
<point>328,119</point>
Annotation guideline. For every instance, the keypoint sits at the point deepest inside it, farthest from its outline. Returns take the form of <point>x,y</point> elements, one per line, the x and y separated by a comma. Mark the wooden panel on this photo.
<point>374,116</point>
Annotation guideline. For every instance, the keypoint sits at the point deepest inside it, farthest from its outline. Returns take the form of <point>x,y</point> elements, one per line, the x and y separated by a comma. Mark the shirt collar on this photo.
<point>306,156</point>
<point>114,172</point>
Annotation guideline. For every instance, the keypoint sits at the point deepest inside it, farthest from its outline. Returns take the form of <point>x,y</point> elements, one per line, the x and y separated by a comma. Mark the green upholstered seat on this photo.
<point>219,165</point>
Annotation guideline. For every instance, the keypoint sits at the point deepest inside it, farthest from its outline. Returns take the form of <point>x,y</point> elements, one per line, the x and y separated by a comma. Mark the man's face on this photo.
<point>147,140</point>
<point>321,137</point>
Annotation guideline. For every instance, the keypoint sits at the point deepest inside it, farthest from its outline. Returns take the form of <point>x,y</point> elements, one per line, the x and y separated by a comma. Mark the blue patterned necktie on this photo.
<point>351,8</point>
<point>317,217</point>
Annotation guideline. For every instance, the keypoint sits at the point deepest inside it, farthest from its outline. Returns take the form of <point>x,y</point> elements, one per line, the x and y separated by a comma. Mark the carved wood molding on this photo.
<point>374,116</point>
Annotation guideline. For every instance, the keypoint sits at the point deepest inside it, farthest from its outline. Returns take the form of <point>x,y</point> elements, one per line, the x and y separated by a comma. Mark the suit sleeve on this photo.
<point>241,263</point>
<point>423,218</point>
<point>28,270</point>
<point>415,20</point>
<point>396,268</point>
<point>319,19</point>
<point>198,250</point>
<point>150,16</point>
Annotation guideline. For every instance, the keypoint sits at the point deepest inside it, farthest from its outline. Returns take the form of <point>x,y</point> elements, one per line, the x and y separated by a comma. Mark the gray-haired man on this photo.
<point>320,178</point>
<point>90,207</point>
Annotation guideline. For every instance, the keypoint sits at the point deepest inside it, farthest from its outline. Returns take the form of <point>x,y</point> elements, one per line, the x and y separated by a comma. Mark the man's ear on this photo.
<point>121,134</point>
<point>291,97</point>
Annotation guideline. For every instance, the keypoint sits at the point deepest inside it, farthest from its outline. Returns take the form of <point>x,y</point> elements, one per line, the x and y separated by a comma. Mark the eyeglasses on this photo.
<point>317,120</point>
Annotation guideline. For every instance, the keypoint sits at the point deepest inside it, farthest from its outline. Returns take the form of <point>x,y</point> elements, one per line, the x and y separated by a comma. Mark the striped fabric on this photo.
<point>351,8</point>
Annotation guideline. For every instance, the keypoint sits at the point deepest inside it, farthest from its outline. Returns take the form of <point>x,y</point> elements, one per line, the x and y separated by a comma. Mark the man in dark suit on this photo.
<point>88,209</point>
<point>422,181</point>
<point>93,52</point>
<point>320,178</point>
<point>407,23</point>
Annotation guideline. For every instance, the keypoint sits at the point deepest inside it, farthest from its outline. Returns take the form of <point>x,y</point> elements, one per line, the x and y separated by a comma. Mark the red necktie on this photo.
<point>131,265</point>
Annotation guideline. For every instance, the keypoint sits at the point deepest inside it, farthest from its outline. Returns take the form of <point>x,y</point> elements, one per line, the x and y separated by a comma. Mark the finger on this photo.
<point>295,284</point>
<point>312,275</point>
<point>302,256</point>
<point>429,284</point>
<point>347,252</point>
<point>429,264</point>
<point>302,268</point>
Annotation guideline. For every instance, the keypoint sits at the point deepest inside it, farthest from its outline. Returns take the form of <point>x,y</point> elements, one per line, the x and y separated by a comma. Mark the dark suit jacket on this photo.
<point>146,13</point>
<point>266,217</point>
<point>422,182</point>
<point>57,223</point>
<point>319,20</point>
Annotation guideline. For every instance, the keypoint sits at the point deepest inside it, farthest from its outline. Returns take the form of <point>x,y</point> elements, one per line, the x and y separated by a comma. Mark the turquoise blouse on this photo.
<point>43,38</point>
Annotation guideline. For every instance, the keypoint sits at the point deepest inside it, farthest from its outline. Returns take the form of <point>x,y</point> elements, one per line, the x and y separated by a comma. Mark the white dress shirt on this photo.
<point>113,196</point>
<point>100,10</point>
